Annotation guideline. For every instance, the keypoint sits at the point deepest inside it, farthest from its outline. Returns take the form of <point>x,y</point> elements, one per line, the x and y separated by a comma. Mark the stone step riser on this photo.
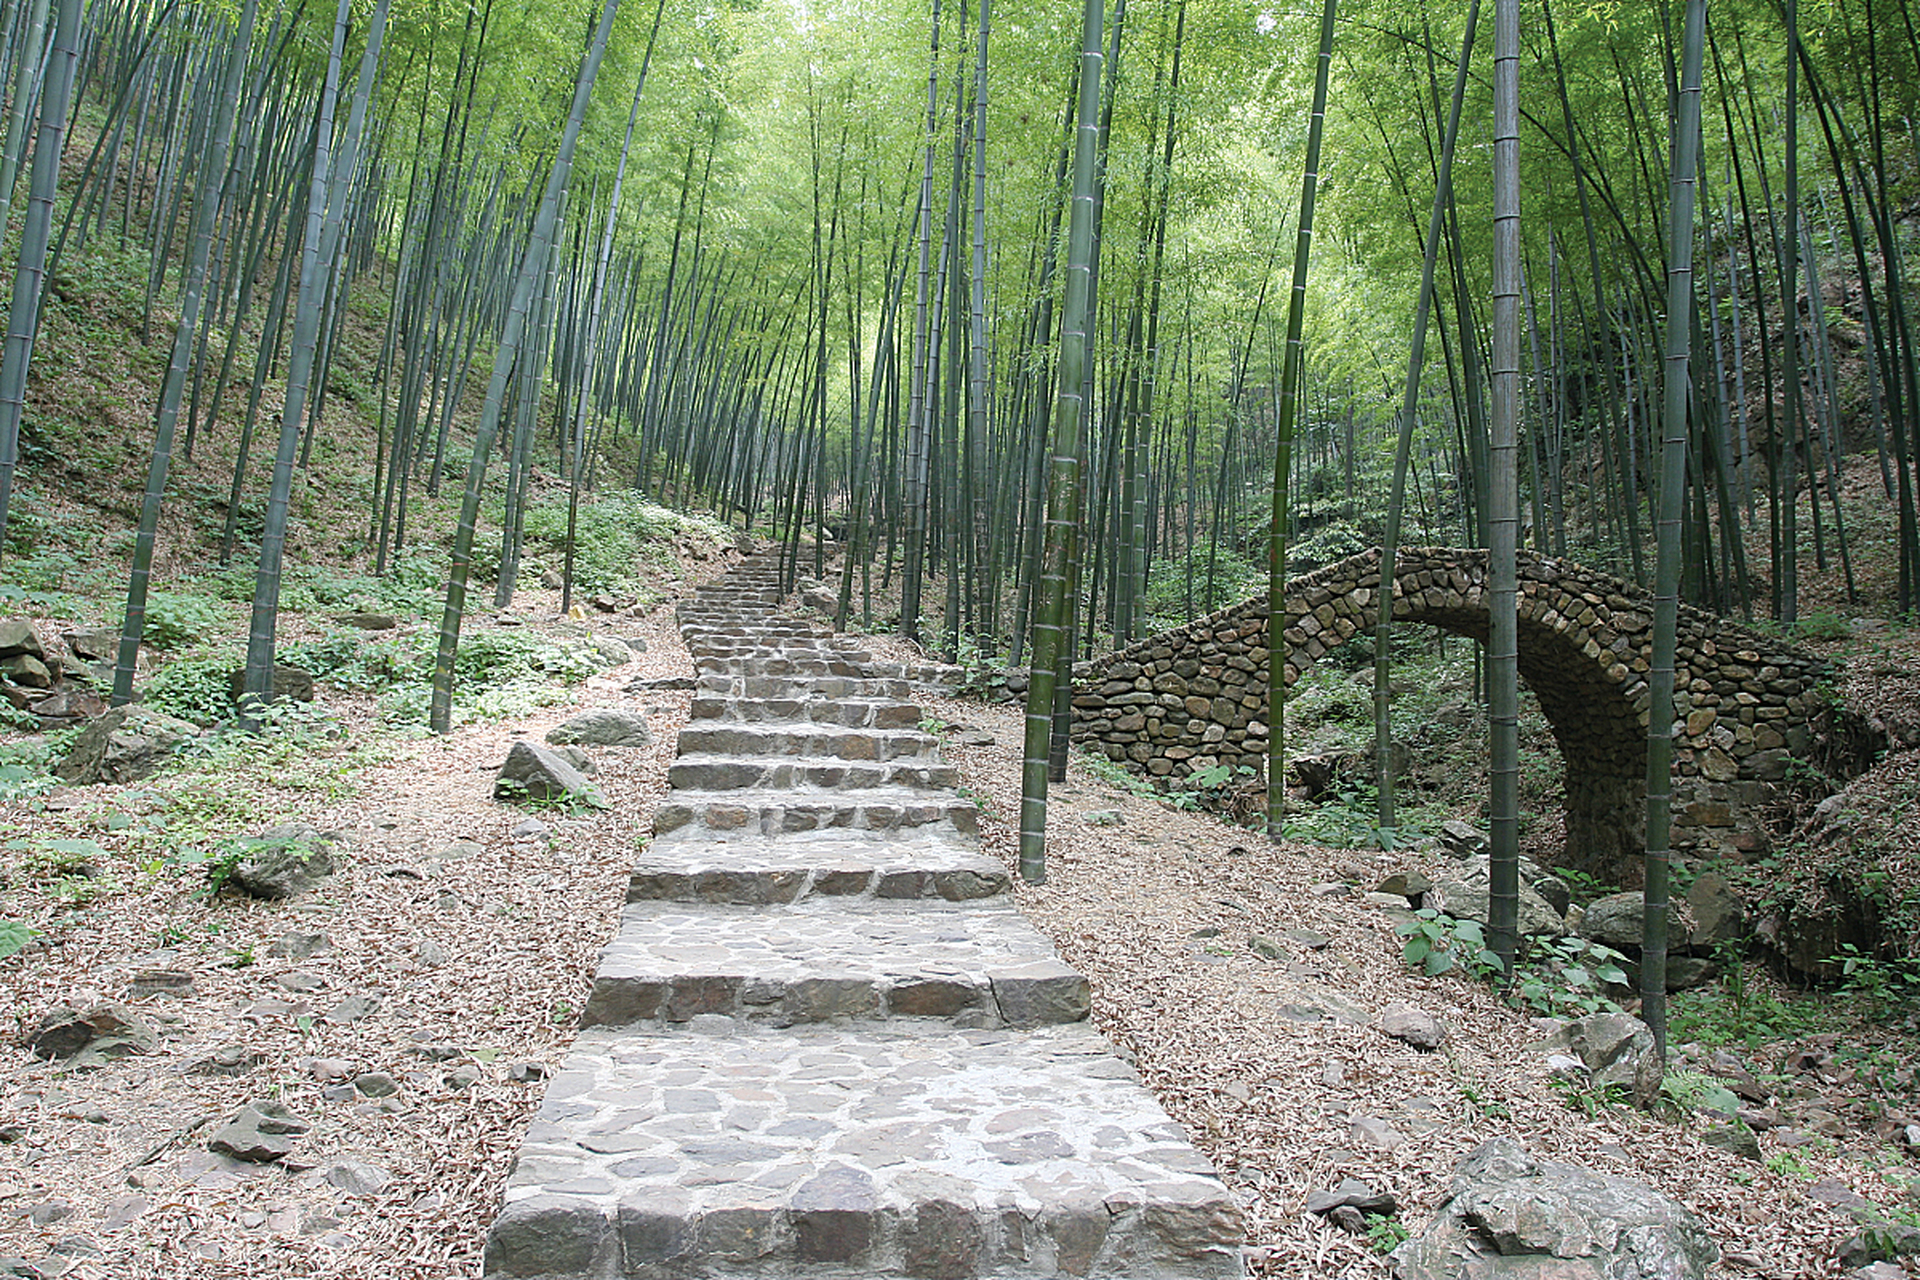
<point>842,880</point>
<point>732,816</point>
<point>851,715</point>
<point>970,1001</point>
<point>797,647</point>
<point>777,665</point>
<point>852,744</point>
<point>781,775</point>
<point>787,687</point>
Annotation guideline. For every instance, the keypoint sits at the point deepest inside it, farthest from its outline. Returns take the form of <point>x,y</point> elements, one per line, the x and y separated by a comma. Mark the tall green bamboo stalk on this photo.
<point>1291,361</point>
<point>1503,498</point>
<point>1672,499</point>
<point>1050,616</point>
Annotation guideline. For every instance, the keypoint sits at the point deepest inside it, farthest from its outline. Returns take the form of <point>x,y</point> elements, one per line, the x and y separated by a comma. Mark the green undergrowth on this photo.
<point>498,674</point>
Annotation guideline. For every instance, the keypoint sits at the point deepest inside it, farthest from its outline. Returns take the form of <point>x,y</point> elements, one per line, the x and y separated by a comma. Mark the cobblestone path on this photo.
<point>825,1043</point>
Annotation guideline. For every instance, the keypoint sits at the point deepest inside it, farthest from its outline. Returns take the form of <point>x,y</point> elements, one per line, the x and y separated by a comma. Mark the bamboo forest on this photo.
<point>1152,638</point>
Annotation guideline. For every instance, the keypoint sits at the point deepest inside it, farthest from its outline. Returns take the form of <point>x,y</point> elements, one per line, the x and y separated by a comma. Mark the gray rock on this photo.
<point>1718,916</point>
<point>1261,945</point>
<point>1311,939</point>
<point>1684,973</point>
<point>160,982</point>
<point>1104,818</point>
<point>530,829</point>
<point>26,671</point>
<point>578,758</point>
<point>1515,1218</point>
<point>462,1078</point>
<point>1413,1026</point>
<point>1464,895</point>
<point>1618,1051</point>
<point>228,1060</point>
<point>298,946</point>
<point>368,621</point>
<point>124,745</point>
<point>434,955</point>
<point>1405,884</point>
<point>1618,921</point>
<point>1735,1139</point>
<point>611,650</point>
<point>1882,1239</point>
<point>95,643</point>
<point>533,772</point>
<point>1352,1193</point>
<point>356,1177</point>
<point>352,1009</point>
<point>290,684</point>
<point>1463,840</point>
<point>1376,1132</point>
<point>17,635</point>
<point>286,860</point>
<point>376,1084</point>
<point>604,727</point>
<point>110,1030</point>
<point>260,1132</point>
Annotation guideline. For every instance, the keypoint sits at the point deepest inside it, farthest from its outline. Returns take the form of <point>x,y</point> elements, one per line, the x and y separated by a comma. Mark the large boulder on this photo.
<point>286,860</point>
<point>1512,1217</point>
<point>532,772</point>
<point>1718,915</point>
<point>1619,921</point>
<point>1465,892</point>
<point>1617,1050</point>
<point>604,727</point>
<point>124,745</point>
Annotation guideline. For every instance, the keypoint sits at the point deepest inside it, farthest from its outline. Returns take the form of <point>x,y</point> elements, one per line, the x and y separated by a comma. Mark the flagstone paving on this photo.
<point>824,1043</point>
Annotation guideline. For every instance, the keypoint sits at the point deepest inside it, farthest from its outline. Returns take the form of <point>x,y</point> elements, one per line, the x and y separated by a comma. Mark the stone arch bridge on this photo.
<point>1744,704</point>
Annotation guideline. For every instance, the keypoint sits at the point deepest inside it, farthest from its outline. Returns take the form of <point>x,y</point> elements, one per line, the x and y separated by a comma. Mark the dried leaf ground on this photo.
<point>480,962</point>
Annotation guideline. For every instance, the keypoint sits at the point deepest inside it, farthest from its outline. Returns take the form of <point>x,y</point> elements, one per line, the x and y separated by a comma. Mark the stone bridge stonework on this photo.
<point>1744,704</point>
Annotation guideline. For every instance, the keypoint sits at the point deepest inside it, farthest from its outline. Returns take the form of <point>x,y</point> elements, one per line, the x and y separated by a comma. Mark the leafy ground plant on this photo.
<point>1437,943</point>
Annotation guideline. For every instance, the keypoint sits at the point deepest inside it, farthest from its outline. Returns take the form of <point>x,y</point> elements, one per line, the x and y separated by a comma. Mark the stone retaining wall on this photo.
<point>1744,704</point>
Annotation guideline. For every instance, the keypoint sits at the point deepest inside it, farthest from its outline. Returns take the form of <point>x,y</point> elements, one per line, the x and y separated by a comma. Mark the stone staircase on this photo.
<point>824,1042</point>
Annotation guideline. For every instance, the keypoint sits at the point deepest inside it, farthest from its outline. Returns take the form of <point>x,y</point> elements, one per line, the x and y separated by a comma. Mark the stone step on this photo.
<point>735,685</point>
<point>825,959</point>
<point>807,739</point>
<point>907,1149</point>
<point>851,713</point>
<point>701,772</point>
<point>760,637</point>
<point>773,812</point>
<point>794,664</point>
<point>790,648</point>
<point>929,862</point>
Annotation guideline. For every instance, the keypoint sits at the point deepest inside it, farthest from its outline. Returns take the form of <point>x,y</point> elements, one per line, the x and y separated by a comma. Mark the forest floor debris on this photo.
<point>391,1028</point>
